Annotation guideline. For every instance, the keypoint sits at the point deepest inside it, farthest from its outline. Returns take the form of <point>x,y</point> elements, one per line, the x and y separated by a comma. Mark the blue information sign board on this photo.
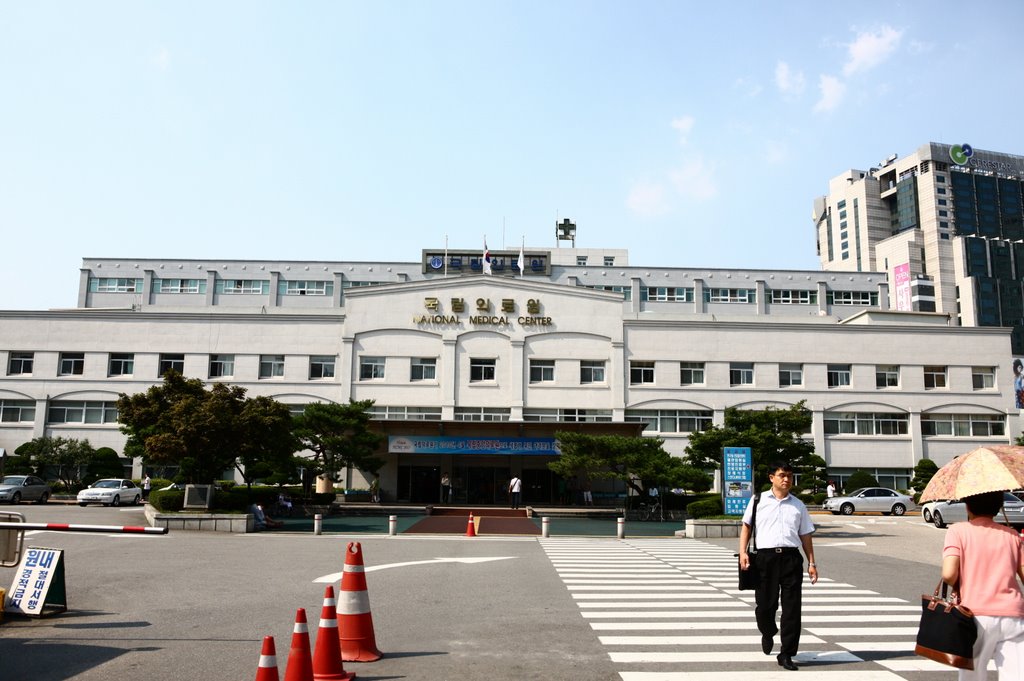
<point>737,479</point>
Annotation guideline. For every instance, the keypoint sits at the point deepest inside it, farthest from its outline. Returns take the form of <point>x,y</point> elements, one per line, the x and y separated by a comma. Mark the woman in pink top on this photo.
<point>987,558</point>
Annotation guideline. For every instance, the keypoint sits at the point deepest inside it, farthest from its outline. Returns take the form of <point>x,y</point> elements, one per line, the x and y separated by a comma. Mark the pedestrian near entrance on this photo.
<point>147,485</point>
<point>515,488</point>
<point>446,488</point>
<point>588,495</point>
<point>783,527</point>
<point>986,558</point>
<point>830,490</point>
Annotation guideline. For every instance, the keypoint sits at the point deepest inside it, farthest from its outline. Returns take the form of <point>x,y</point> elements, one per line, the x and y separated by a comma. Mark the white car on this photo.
<point>948,512</point>
<point>111,492</point>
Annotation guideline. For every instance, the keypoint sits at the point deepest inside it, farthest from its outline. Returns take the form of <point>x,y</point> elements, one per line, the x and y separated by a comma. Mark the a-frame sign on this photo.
<point>38,588</point>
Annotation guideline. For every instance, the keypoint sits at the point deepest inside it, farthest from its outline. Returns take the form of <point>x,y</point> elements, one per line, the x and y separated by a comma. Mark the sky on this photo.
<point>692,135</point>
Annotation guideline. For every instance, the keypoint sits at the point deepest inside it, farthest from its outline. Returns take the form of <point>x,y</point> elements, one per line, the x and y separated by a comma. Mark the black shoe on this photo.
<point>766,644</point>
<point>786,662</point>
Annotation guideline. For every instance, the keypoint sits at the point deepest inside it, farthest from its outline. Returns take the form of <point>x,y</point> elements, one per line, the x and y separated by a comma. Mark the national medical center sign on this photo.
<point>435,444</point>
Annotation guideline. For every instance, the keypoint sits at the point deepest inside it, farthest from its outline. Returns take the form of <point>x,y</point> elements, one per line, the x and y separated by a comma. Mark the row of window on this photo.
<point>641,372</point>
<point>748,296</point>
<point>229,286</point>
<point>837,375</point>
<point>657,420</point>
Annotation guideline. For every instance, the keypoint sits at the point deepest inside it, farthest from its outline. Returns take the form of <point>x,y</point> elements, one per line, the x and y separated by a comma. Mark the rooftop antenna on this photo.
<point>565,231</point>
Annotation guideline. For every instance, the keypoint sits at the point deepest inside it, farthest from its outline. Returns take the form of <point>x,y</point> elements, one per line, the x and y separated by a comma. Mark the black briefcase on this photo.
<point>947,631</point>
<point>750,577</point>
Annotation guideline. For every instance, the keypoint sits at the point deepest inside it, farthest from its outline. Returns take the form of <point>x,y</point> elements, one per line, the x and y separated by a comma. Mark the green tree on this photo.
<point>772,434</point>
<point>204,431</point>
<point>267,445</point>
<point>104,464</point>
<point>640,462</point>
<point>339,436</point>
<point>812,473</point>
<point>860,478</point>
<point>923,473</point>
<point>63,457</point>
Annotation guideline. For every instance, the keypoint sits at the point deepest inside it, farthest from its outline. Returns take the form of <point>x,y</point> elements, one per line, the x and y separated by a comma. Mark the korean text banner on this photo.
<point>437,444</point>
<point>737,479</point>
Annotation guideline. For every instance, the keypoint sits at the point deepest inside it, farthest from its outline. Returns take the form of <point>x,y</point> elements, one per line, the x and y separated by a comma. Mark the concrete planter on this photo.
<point>700,528</point>
<point>236,523</point>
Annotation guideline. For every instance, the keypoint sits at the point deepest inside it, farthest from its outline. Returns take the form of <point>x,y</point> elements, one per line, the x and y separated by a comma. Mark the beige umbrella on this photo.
<point>986,469</point>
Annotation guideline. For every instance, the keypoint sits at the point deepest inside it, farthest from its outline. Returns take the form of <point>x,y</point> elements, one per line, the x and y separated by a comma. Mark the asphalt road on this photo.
<point>196,605</point>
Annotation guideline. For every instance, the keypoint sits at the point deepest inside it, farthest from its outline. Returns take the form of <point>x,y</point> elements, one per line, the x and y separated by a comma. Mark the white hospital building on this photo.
<point>473,373</point>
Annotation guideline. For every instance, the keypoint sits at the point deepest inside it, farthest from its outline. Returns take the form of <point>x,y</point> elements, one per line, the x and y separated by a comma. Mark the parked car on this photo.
<point>871,500</point>
<point>946,512</point>
<point>927,508</point>
<point>17,488</point>
<point>110,492</point>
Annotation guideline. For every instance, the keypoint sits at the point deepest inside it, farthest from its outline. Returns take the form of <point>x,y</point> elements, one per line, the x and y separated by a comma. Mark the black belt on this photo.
<point>781,549</point>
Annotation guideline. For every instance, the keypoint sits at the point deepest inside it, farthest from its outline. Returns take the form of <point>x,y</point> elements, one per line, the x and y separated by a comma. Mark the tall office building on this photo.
<point>945,223</point>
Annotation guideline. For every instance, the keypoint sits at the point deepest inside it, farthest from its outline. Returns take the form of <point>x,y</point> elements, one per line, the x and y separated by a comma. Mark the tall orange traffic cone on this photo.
<point>300,663</point>
<point>267,670</point>
<point>355,623</point>
<point>327,653</point>
<point>470,527</point>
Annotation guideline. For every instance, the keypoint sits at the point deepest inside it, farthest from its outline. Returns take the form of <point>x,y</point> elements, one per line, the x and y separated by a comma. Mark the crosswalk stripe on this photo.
<point>671,602</point>
<point>735,656</point>
<point>752,640</point>
<point>863,631</point>
<point>781,675</point>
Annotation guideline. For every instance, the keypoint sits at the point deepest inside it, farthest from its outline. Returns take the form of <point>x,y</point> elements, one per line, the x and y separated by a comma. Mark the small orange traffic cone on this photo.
<point>355,623</point>
<point>327,664</point>
<point>470,527</point>
<point>267,670</point>
<point>300,663</point>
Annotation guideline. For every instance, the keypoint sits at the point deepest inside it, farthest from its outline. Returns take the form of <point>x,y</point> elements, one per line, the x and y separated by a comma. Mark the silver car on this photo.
<point>945,512</point>
<point>870,500</point>
<point>111,492</point>
<point>17,488</point>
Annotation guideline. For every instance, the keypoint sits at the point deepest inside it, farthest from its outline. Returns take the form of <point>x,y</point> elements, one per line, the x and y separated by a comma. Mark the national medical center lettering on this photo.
<point>484,316</point>
<point>433,444</point>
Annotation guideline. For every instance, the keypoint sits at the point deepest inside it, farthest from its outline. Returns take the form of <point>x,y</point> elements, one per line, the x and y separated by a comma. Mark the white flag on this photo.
<point>522,260</point>
<point>487,259</point>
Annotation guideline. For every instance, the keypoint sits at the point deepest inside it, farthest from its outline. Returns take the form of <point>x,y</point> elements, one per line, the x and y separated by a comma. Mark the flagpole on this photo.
<point>446,256</point>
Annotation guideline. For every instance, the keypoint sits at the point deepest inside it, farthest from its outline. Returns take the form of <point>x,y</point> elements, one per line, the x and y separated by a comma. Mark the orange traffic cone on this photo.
<point>470,527</point>
<point>267,671</point>
<point>355,623</point>
<point>327,653</point>
<point>300,663</point>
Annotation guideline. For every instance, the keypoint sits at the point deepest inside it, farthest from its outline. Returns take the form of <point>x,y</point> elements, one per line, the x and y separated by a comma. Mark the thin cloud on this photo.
<point>163,59</point>
<point>775,152</point>
<point>788,81</point>
<point>832,92</point>
<point>683,125</point>
<point>694,180</point>
<point>647,200</point>
<point>871,49</point>
<point>747,87</point>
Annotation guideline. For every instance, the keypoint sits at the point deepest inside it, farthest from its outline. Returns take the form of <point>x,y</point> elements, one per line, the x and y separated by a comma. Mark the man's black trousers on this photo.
<point>781,570</point>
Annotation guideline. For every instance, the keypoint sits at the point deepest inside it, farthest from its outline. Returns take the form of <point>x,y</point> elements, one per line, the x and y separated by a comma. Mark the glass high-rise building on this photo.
<point>946,224</point>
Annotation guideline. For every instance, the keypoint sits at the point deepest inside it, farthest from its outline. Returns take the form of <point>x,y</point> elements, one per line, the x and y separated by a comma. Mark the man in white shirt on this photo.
<point>783,527</point>
<point>515,487</point>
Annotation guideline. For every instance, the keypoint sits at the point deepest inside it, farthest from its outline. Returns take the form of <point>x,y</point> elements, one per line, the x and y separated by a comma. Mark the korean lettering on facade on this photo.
<point>488,313</point>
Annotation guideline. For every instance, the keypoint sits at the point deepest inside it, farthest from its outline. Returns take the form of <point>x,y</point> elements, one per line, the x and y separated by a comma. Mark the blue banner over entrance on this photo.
<point>439,444</point>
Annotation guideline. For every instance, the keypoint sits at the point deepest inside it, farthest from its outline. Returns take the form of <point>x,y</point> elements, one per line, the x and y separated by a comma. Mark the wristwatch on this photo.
<point>812,565</point>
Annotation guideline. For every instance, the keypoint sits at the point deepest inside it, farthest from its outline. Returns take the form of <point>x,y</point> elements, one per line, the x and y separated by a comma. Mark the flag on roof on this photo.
<point>487,258</point>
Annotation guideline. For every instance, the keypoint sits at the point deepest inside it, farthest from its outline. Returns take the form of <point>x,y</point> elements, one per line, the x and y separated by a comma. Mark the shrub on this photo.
<point>705,508</point>
<point>167,501</point>
<point>860,478</point>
